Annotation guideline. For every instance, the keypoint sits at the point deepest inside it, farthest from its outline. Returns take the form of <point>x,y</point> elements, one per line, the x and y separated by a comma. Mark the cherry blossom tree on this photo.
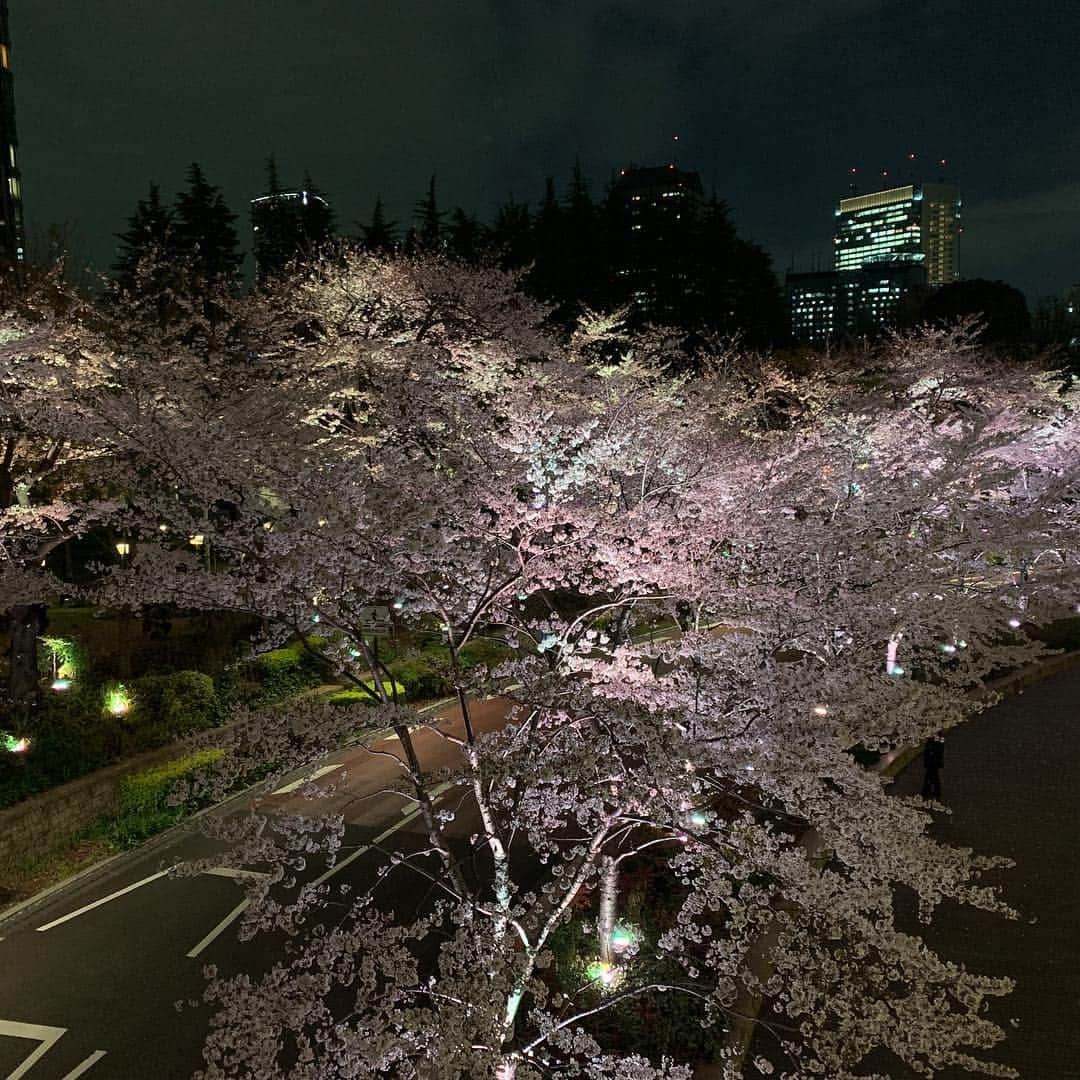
<point>845,559</point>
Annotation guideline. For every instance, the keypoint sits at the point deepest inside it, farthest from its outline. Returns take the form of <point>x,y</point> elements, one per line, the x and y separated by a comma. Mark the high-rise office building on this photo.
<point>888,245</point>
<point>11,209</point>
<point>653,209</point>
<point>914,223</point>
<point>286,226</point>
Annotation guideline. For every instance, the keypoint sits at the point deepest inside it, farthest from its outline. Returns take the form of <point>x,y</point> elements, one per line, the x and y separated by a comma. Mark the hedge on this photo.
<point>144,797</point>
<point>356,696</point>
<point>287,671</point>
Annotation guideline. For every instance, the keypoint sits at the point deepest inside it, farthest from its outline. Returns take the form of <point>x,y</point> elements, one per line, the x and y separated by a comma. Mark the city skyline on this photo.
<point>771,116</point>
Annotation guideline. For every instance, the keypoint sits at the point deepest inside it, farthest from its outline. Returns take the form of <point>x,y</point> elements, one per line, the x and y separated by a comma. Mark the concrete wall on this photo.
<point>45,823</point>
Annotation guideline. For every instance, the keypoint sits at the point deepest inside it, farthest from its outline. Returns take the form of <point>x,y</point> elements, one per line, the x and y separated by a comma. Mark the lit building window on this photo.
<point>5,58</point>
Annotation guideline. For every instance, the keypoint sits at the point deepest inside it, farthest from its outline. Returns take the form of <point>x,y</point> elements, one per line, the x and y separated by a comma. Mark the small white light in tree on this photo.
<point>820,710</point>
<point>1014,623</point>
<point>197,540</point>
<point>123,548</point>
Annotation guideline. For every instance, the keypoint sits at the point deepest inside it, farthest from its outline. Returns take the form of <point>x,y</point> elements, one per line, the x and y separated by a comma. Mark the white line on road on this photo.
<point>409,816</point>
<point>433,794</point>
<point>297,784</point>
<point>89,1063</point>
<point>103,900</point>
<point>221,926</point>
<point>47,1036</point>
<point>233,872</point>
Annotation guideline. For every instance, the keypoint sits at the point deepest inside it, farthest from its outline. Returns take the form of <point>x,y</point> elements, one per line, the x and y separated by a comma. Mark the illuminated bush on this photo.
<point>118,700</point>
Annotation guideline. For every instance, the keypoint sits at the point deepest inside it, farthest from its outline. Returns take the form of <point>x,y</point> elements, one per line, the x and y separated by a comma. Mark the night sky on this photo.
<point>772,100</point>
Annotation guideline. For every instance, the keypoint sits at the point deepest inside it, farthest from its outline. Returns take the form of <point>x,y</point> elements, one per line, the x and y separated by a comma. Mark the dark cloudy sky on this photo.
<point>773,100</point>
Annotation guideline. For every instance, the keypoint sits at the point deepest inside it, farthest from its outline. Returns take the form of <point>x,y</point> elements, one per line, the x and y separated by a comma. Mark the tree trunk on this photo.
<point>507,1068</point>
<point>25,624</point>
<point>609,896</point>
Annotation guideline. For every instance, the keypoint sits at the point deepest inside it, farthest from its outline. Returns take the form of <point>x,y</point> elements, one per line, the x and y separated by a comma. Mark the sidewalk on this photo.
<point>1011,779</point>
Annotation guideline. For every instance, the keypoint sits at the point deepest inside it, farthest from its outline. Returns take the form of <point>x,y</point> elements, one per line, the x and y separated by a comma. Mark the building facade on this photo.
<point>654,209</point>
<point>889,246</point>
<point>12,244</point>
<point>286,226</point>
<point>832,305</point>
<point>914,223</point>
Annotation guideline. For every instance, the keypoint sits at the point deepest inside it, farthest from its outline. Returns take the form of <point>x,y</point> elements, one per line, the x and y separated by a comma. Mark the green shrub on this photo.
<point>168,706</point>
<point>287,671</point>
<point>144,797</point>
<point>482,651</point>
<point>419,680</point>
<point>356,696</point>
<point>68,740</point>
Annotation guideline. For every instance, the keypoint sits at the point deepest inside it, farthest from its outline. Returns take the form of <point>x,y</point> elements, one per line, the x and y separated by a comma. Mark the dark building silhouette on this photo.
<point>286,226</point>
<point>653,212</point>
<point>11,209</point>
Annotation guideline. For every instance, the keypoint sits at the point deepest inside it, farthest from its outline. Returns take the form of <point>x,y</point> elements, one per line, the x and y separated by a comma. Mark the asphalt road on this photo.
<point>1010,781</point>
<point>91,976</point>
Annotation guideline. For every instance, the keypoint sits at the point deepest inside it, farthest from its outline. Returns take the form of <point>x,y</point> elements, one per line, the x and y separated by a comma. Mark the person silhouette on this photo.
<point>933,762</point>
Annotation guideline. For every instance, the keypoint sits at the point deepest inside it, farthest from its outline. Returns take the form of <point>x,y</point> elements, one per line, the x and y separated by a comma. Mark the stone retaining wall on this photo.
<point>45,823</point>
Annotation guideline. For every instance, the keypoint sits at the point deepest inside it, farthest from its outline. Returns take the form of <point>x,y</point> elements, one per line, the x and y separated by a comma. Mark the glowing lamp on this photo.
<point>118,701</point>
<point>61,684</point>
<point>600,971</point>
<point>1014,623</point>
<point>820,710</point>
<point>622,938</point>
<point>123,548</point>
<point>197,540</point>
<point>16,746</point>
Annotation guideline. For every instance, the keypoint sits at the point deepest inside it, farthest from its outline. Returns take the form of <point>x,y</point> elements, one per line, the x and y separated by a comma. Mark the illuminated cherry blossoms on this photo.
<point>714,588</point>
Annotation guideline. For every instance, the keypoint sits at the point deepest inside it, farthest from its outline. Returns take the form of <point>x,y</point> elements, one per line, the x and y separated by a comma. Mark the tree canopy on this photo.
<point>837,560</point>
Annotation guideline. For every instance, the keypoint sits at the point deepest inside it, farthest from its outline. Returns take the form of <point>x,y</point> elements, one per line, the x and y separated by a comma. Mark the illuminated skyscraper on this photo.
<point>11,211</point>
<point>914,223</point>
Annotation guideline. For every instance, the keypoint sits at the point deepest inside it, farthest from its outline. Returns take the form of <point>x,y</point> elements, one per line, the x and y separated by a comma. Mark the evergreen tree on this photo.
<point>317,217</point>
<point>273,182</point>
<point>149,238</point>
<point>429,218</point>
<point>466,236</point>
<point>544,280</point>
<point>379,236</point>
<point>583,268</point>
<point>204,232</point>
<point>510,239</point>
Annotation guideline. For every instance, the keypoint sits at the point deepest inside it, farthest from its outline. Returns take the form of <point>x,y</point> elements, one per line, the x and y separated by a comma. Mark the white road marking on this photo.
<point>362,850</point>
<point>297,784</point>
<point>233,872</point>
<point>47,1036</point>
<point>340,865</point>
<point>221,926</point>
<point>104,900</point>
<point>433,794</point>
<point>92,1060</point>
